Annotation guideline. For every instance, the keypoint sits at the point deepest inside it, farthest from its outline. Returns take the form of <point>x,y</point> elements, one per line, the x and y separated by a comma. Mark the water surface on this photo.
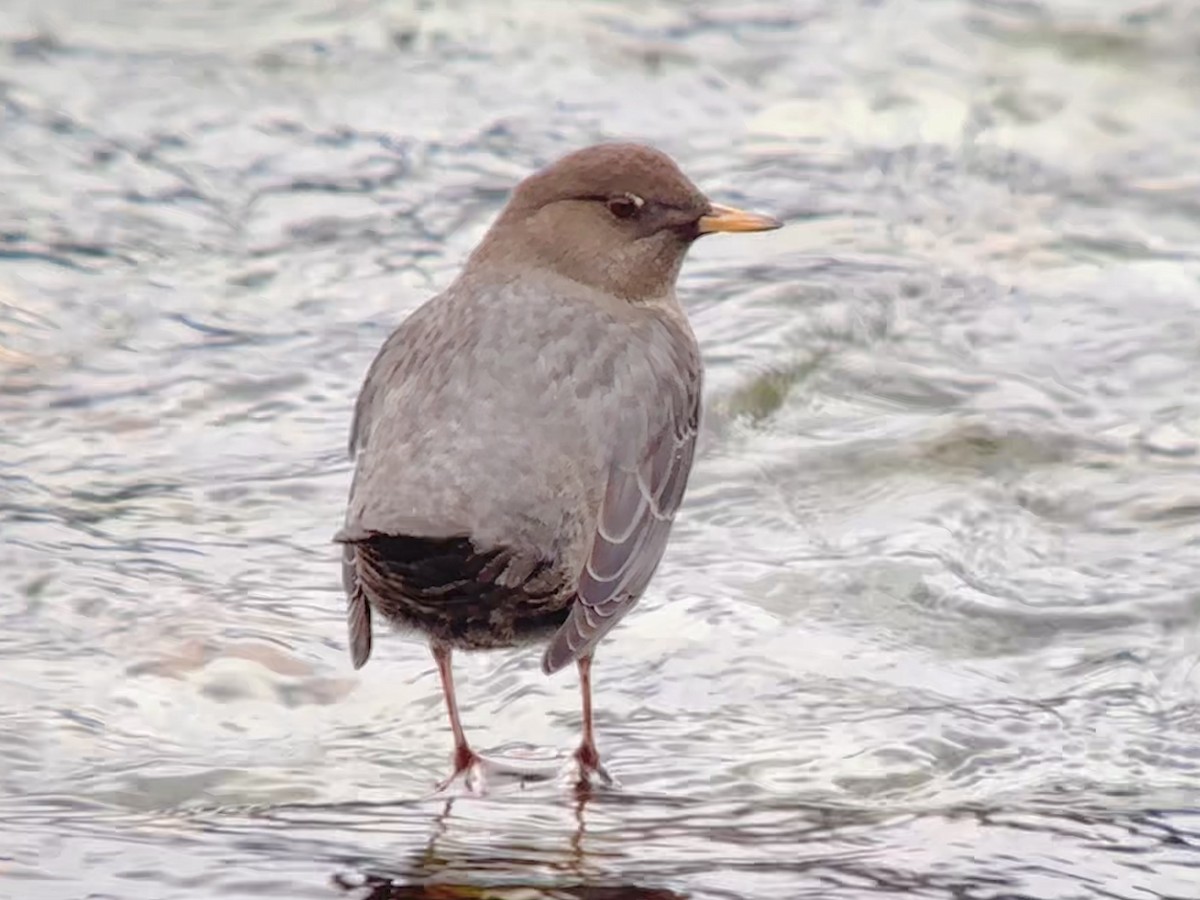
<point>929,625</point>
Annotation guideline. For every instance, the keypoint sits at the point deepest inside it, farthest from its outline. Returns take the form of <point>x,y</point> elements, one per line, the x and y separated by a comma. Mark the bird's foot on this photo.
<point>589,771</point>
<point>469,769</point>
<point>476,772</point>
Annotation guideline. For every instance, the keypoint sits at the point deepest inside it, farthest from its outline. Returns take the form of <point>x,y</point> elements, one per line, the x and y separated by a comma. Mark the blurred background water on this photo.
<point>930,623</point>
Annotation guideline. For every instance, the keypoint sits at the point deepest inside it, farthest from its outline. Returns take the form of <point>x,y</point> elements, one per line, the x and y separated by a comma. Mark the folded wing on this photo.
<point>641,498</point>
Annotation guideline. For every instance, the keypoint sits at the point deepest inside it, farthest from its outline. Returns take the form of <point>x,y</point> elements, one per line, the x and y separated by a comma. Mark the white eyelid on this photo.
<point>635,200</point>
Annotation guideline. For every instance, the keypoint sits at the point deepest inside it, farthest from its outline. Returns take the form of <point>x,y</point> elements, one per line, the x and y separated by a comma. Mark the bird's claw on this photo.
<point>476,771</point>
<point>590,770</point>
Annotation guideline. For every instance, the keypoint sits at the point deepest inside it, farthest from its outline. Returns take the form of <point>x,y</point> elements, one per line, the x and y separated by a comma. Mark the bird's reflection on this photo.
<point>470,861</point>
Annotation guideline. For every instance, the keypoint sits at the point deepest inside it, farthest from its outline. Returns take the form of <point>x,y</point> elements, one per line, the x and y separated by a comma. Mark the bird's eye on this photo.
<point>625,206</point>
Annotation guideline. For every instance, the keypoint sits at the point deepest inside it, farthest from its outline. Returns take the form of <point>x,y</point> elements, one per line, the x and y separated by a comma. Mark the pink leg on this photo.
<point>587,755</point>
<point>477,770</point>
<point>464,756</point>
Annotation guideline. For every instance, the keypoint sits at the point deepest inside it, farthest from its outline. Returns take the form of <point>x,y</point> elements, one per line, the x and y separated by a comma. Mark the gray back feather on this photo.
<point>499,412</point>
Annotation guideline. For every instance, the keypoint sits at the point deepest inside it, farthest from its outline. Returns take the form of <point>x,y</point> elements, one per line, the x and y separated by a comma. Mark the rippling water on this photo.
<point>930,625</point>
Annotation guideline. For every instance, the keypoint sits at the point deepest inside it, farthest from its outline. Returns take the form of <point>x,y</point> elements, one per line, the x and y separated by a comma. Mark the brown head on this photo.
<point>618,217</point>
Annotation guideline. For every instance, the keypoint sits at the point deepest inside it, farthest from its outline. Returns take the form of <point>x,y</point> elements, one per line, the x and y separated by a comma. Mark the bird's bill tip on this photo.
<point>731,219</point>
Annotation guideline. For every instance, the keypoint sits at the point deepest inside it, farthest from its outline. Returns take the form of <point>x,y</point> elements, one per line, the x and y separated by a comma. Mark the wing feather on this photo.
<point>639,505</point>
<point>358,610</point>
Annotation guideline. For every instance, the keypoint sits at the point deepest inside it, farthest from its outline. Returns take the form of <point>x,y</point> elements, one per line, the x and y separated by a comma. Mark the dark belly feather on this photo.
<point>457,595</point>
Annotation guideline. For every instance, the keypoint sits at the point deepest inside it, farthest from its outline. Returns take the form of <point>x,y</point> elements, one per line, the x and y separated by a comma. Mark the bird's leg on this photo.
<point>587,756</point>
<point>474,769</point>
<point>464,757</point>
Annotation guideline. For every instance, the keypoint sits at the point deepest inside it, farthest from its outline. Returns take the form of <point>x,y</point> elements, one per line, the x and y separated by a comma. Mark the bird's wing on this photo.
<point>639,505</point>
<point>389,363</point>
<point>358,610</point>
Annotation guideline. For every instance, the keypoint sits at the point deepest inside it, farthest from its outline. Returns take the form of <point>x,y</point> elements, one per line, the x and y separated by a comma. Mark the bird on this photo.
<point>522,441</point>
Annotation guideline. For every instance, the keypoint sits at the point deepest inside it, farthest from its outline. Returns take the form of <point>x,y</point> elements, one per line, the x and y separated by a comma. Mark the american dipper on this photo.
<point>524,438</point>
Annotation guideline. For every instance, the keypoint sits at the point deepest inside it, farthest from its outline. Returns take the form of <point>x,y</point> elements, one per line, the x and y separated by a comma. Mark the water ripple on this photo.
<point>928,626</point>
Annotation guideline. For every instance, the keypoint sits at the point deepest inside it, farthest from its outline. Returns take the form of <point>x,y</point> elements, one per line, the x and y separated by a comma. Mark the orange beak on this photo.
<point>728,218</point>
